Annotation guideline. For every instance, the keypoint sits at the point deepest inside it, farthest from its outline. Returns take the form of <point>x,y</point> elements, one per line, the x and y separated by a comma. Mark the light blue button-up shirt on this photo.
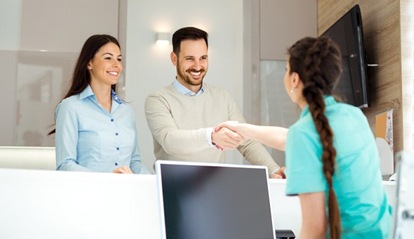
<point>183,90</point>
<point>89,138</point>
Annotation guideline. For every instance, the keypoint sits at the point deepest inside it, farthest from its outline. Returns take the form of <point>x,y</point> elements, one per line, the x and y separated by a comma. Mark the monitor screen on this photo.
<point>214,201</point>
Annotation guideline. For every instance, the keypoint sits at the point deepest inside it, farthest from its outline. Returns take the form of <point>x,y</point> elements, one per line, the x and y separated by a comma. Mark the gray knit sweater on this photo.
<point>179,123</point>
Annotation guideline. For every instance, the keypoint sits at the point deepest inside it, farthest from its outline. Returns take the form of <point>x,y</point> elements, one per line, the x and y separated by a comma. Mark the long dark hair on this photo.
<point>81,77</point>
<point>187,33</point>
<point>318,63</point>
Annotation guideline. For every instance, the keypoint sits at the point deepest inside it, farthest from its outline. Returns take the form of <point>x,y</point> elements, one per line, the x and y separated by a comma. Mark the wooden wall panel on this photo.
<point>381,26</point>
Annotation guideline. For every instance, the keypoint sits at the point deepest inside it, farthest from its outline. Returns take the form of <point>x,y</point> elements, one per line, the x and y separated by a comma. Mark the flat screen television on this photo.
<point>348,34</point>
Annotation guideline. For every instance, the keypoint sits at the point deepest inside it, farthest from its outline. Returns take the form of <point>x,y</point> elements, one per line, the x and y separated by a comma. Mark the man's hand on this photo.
<point>279,173</point>
<point>225,139</point>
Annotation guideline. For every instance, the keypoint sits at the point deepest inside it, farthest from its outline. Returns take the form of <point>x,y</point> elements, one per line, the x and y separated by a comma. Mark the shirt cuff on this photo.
<point>209,131</point>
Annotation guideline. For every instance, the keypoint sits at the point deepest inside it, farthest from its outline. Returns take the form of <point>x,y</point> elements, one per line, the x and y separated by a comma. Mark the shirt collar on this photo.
<point>116,97</point>
<point>329,100</point>
<point>183,90</point>
<point>88,92</point>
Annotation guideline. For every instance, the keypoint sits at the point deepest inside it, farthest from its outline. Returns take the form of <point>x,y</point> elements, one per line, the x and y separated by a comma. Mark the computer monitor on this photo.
<point>202,200</point>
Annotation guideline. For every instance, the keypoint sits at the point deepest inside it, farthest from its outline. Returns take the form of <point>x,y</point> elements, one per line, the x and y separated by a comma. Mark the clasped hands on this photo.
<point>226,137</point>
<point>230,134</point>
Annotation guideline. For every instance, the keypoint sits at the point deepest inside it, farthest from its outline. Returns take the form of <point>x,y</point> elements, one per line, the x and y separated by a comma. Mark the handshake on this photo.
<point>228,135</point>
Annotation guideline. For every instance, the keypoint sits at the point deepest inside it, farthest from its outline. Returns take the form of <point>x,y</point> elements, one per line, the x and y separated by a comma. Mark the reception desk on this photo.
<point>53,204</point>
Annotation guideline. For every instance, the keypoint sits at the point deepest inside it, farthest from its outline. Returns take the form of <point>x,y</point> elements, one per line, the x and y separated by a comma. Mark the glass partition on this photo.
<point>276,108</point>
<point>38,49</point>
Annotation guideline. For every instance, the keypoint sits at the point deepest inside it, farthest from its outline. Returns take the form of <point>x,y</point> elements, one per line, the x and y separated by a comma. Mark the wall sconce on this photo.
<point>163,38</point>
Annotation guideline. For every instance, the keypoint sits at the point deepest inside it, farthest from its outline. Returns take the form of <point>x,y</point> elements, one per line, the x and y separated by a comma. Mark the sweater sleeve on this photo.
<point>164,130</point>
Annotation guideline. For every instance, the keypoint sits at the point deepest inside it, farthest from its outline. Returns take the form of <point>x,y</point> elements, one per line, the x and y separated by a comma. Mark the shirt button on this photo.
<point>116,134</point>
<point>112,120</point>
<point>116,163</point>
<point>117,148</point>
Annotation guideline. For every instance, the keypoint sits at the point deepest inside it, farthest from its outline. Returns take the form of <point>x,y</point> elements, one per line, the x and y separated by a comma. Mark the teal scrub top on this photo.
<point>365,211</point>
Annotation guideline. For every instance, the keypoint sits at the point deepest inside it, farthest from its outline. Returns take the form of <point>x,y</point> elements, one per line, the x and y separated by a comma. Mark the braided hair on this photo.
<point>318,63</point>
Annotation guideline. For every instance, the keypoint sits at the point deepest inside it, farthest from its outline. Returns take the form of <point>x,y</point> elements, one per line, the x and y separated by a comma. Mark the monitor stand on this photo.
<point>285,234</point>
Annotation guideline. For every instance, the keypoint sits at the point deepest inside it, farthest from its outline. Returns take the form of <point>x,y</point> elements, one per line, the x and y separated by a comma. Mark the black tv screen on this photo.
<point>348,34</point>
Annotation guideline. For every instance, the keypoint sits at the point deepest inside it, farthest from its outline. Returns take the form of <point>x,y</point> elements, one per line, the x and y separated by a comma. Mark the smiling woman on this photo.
<point>105,68</point>
<point>95,129</point>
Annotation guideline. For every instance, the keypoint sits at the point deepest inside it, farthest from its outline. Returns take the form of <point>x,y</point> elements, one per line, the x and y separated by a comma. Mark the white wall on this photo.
<point>10,21</point>
<point>148,67</point>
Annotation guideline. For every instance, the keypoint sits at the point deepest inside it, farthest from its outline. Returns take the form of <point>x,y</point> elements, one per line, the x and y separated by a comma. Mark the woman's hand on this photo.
<point>226,139</point>
<point>234,126</point>
<point>122,169</point>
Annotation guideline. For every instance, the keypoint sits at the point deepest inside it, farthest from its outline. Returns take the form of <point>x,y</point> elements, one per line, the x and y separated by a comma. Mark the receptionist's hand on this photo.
<point>226,139</point>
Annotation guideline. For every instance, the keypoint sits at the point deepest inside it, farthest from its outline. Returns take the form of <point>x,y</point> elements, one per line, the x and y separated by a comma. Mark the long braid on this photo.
<point>317,110</point>
<point>313,93</point>
<point>321,68</point>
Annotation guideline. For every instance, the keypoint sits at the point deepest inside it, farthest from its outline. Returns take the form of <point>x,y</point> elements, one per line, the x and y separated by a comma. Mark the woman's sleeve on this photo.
<point>67,138</point>
<point>136,164</point>
<point>303,163</point>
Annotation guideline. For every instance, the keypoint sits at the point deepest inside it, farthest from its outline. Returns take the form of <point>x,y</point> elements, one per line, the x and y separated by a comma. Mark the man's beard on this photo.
<point>187,77</point>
